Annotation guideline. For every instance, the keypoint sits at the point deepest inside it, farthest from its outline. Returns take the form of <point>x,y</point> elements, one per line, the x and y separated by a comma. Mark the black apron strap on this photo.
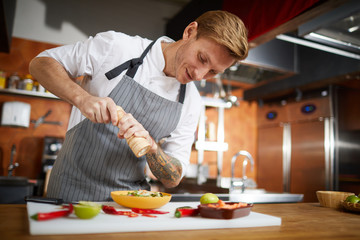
<point>132,65</point>
<point>182,93</point>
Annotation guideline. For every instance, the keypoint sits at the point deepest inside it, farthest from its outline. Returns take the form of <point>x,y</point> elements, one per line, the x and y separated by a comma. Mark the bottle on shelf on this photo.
<point>28,83</point>
<point>2,79</point>
<point>35,85</point>
<point>13,81</point>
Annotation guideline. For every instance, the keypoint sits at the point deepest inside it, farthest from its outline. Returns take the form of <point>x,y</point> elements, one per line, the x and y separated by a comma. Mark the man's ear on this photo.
<point>190,31</point>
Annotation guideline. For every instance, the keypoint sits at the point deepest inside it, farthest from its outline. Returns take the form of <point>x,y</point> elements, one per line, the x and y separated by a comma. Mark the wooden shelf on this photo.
<point>28,93</point>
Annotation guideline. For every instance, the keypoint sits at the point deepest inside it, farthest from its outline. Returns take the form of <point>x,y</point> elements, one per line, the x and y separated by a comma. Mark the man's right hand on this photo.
<point>52,75</point>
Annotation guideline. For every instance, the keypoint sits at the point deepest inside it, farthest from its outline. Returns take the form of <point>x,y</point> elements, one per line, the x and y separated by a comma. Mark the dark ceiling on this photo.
<point>276,67</point>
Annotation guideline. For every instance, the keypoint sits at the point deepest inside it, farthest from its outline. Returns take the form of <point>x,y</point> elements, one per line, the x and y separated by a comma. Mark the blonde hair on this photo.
<point>226,29</point>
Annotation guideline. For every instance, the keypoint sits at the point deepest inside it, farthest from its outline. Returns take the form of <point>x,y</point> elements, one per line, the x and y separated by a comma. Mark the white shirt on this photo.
<point>95,56</point>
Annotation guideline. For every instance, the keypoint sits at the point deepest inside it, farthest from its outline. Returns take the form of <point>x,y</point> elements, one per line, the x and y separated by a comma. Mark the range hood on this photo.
<point>339,28</point>
<point>268,62</point>
<point>337,31</point>
<point>328,52</point>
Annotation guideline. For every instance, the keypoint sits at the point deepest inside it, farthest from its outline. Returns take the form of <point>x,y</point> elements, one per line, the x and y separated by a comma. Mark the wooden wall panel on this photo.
<point>21,53</point>
<point>29,141</point>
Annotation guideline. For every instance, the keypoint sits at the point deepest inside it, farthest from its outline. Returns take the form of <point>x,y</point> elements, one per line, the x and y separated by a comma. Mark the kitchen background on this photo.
<point>249,107</point>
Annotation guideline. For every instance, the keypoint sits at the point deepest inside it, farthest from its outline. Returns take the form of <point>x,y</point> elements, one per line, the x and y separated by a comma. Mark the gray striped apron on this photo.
<point>93,161</point>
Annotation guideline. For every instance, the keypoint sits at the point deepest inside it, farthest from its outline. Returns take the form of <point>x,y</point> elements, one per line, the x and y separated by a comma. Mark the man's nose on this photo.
<point>200,73</point>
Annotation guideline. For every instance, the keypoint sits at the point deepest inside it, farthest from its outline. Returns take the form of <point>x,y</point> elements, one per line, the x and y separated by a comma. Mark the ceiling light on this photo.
<point>353,29</point>
<point>306,43</point>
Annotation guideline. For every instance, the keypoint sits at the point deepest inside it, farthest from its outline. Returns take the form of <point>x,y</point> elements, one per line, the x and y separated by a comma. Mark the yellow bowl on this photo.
<point>121,198</point>
<point>332,199</point>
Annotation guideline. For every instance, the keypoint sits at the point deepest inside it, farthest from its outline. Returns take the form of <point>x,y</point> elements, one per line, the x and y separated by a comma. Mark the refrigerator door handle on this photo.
<point>329,149</point>
<point>286,156</point>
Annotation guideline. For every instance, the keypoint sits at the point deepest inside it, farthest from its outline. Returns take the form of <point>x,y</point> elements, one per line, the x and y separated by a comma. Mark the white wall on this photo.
<point>68,21</point>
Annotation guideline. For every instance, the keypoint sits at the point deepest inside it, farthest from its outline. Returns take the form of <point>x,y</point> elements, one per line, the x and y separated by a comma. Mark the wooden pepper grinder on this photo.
<point>139,145</point>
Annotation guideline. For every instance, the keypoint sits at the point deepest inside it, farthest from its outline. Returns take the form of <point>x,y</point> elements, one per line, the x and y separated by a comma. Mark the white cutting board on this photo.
<point>104,223</point>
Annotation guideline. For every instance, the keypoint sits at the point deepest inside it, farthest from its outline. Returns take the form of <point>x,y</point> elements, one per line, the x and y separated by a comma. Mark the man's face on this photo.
<point>199,59</point>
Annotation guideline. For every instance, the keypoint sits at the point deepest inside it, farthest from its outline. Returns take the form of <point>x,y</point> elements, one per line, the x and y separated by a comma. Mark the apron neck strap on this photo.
<point>132,65</point>
<point>182,93</point>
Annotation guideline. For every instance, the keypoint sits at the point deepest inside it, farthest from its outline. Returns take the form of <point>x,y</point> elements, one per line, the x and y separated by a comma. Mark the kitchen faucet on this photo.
<point>242,183</point>
<point>12,165</point>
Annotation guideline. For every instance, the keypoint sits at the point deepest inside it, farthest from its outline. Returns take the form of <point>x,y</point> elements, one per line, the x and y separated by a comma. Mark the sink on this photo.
<point>266,197</point>
<point>190,191</point>
<point>14,189</point>
<point>249,196</point>
<point>249,191</point>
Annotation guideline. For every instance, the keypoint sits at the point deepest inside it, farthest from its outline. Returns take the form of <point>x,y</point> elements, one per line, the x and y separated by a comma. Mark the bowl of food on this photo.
<point>141,199</point>
<point>225,210</point>
<point>332,199</point>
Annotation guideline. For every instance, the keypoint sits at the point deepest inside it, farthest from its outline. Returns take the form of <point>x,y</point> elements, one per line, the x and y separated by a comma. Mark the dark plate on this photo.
<point>222,213</point>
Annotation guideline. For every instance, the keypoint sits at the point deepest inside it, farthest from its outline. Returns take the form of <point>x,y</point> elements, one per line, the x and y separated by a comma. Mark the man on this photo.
<point>152,82</point>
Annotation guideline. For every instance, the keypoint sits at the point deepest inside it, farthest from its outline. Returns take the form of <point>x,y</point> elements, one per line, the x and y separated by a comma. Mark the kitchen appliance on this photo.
<point>310,143</point>
<point>16,114</point>
<point>52,146</point>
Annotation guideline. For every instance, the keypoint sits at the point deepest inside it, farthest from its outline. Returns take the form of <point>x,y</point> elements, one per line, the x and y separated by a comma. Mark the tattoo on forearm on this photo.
<point>165,168</point>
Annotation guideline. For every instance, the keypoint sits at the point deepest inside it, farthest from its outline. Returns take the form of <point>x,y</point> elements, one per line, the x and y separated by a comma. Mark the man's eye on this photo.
<point>213,72</point>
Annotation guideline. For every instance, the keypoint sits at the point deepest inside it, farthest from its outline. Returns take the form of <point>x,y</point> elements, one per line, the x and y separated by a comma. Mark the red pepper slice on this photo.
<point>109,209</point>
<point>149,215</point>
<point>52,215</point>
<point>186,211</point>
<point>147,211</point>
<point>113,211</point>
<point>133,215</point>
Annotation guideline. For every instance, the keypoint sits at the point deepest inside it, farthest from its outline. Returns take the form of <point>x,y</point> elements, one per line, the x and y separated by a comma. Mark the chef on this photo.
<point>153,82</point>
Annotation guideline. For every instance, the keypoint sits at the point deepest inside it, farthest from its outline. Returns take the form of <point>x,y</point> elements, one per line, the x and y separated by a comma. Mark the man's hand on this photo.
<point>52,75</point>
<point>98,110</point>
<point>165,168</point>
<point>129,126</point>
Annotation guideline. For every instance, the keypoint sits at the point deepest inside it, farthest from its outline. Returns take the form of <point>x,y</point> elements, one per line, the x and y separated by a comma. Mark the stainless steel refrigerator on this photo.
<point>305,143</point>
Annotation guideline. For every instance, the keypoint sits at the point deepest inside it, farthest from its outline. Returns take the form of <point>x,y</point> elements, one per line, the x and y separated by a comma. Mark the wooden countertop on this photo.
<point>299,221</point>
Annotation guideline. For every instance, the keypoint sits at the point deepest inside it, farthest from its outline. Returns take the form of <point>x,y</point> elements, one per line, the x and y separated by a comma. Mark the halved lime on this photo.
<point>86,211</point>
<point>89,203</point>
<point>209,198</point>
<point>352,199</point>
